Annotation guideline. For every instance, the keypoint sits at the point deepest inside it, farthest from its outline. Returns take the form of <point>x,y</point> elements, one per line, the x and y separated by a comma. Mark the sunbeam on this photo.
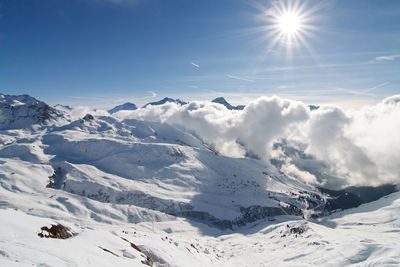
<point>289,23</point>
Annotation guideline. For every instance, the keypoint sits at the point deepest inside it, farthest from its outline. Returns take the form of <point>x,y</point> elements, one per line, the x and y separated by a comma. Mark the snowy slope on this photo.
<point>153,165</point>
<point>365,236</point>
<point>23,111</point>
<point>136,192</point>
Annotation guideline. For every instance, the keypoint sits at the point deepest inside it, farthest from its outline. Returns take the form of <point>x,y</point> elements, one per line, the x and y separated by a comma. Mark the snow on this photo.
<point>363,236</point>
<point>135,190</point>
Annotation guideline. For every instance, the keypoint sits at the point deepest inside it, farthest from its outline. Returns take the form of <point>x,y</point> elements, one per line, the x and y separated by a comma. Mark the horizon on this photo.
<point>104,53</point>
<point>141,104</point>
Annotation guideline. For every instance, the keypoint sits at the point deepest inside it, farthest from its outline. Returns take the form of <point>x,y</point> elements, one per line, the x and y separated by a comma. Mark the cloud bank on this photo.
<point>328,146</point>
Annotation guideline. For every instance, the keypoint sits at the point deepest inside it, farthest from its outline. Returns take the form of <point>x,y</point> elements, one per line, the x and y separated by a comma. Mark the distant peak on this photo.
<point>20,111</point>
<point>313,107</point>
<point>219,99</point>
<point>222,101</point>
<point>125,106</point>
<point>165,100</point>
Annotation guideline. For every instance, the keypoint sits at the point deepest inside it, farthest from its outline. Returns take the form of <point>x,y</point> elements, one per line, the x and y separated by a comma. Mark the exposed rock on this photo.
<point>296,230</point>
<point>88,117</point>
<point>51,181</point>
<point>165,100</point>
<point>352,197</point>
<point>313,107</point>
<point>23,110</point>
<point>58,231</point>
<point>109,251</point>
<point>222,101</point>
<point>126,106</point>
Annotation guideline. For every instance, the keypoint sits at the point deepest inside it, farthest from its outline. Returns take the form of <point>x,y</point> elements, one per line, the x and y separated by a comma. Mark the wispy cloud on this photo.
<point>238,78</point>
<point>153,94</point>
<point>194,64</point>
<point>365,92</point>
<point>376,87</point>
<point>387,58</point>
<point>88,98</point>
<point>355,92</point>
<point>314,66</point>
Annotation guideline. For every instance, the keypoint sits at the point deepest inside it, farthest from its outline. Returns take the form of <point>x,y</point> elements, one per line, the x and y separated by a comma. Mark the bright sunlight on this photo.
<point>289,23</point>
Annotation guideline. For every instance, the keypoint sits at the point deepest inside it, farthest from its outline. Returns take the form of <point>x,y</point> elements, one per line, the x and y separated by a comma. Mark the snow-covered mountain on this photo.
<point>165,100</point>
<point>136,192</point>
<point>23,111</point>
<point>125,106</point>
<point>222,101</point>
<point>154,165</point>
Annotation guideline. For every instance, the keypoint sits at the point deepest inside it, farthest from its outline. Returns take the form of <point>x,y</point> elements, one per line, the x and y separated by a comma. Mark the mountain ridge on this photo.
<point>165,100</point>
<point>222,101</point>
<point>125,106</point>
<point>132,192</point>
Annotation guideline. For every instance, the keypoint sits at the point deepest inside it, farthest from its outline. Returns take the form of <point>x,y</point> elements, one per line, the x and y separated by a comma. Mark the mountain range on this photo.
<point>133,192</point>
<point>218,100</point>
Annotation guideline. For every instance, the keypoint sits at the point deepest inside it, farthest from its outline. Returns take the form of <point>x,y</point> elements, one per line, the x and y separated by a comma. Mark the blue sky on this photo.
<point>104,52</point>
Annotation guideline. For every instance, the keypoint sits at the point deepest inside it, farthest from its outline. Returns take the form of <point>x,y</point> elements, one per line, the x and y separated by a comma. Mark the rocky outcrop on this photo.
<point>23,111</point>
<point>165,100</point>
<point>57,231</point>
<point>222,101</point>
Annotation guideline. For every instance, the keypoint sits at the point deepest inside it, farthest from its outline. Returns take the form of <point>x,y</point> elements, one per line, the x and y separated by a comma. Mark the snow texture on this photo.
<point>327,146</point>
<point>134,192</point>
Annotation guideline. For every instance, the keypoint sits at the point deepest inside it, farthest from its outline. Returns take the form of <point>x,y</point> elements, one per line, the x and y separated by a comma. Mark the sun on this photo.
<point>288,23</point>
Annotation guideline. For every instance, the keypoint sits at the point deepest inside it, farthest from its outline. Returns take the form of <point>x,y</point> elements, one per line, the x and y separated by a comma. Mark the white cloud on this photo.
<point>376,131</point>
<point>355,92</point>
<point>376,87</point>
<point>238,78</point>
<point>355,148</point>
<point>328,146</point>
<point>393,100</point>
<point>328,140</point>
<point>194,64</point>
<point>387,58</point>
<point>153,94</point>
<point>256,127</point>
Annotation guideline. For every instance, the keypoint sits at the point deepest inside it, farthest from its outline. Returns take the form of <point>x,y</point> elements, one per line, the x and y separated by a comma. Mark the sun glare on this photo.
<point>289,23</point>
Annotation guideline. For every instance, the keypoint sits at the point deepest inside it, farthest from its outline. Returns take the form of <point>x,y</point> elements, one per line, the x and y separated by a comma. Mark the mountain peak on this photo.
<point>222,101</point>
<point>313,107</point>
<point>219,100</point>
<point>165,100</point>
<point>20,111</point>
<point>125,106</point>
